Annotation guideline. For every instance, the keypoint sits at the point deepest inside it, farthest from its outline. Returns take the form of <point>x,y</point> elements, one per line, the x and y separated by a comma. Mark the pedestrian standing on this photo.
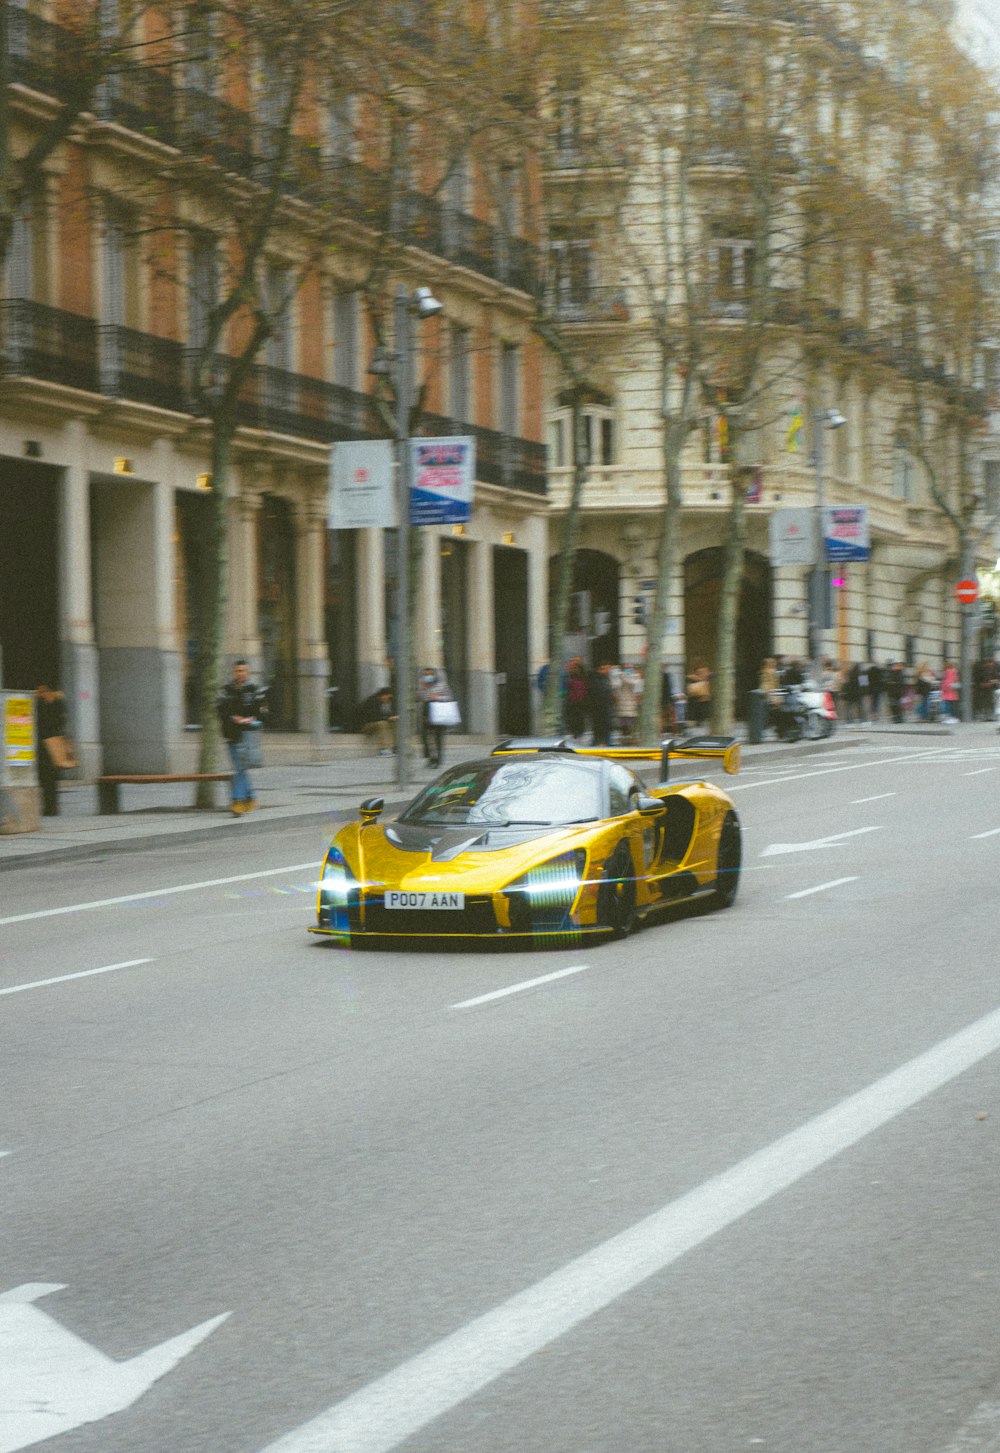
<point>600,697</point>
<point>699,695</point>
<point>242,707</point>
<point>949,692</point>
<point>924,685</point>
<point>432,688</point>
<point>627,703</point>
<point>51,725</point>
<point>896,686</point>
<point>576,698</point>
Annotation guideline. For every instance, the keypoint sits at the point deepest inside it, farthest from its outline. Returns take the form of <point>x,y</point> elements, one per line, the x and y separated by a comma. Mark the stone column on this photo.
<point>241,637</point>
<point>482,645</point>
<point>428,646</point>
<point>372,672</point>
<point>77,643</point>
<point>312,662</point>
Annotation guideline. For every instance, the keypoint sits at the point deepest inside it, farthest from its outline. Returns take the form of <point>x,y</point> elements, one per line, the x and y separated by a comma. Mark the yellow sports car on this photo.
<point>541,841</point>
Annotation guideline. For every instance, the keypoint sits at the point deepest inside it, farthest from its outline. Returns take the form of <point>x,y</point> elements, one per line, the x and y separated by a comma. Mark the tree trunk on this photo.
<point>724,683</point>
<point>674,435</point>
<point>552,706</point>
<point>211,606</point>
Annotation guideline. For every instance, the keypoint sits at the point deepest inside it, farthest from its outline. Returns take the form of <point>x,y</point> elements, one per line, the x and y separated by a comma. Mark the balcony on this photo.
<point>48,58</point>
<point>595,304</point>
<point>47,345</point>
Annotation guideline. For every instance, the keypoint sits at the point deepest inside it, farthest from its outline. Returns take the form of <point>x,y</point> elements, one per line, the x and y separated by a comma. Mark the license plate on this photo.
<point>398,898</point>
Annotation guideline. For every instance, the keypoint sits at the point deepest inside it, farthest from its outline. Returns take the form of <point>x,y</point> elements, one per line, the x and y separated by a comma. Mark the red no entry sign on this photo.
<point>967,591</point>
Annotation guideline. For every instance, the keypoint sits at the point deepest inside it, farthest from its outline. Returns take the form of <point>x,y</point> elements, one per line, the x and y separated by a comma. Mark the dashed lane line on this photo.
<point>976,837</point>
<point>380,1416</point>
<point>157,893</point>
<point>519,988</point>
<point>820,888</point>
<point>83,974</point>
<point>879,798</point>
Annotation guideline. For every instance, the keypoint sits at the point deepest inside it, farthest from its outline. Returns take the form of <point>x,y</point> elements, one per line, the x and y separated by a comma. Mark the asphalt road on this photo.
<point>731,1184</point>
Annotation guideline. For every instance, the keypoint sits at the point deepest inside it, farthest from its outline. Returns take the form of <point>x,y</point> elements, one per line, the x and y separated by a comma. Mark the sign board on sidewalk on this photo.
<point>443,475</point>
<point>18,729</point>
<point>793,537</point>
<point>845,533</point>
<point>362,494</point>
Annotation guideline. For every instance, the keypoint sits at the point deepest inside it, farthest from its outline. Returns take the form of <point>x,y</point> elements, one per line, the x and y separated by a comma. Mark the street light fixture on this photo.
<point>419,304</point>
<point>819,592</point>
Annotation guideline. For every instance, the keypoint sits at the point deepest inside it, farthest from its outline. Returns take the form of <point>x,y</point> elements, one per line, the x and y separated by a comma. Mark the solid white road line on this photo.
<point>158,893</point>
<point>992,833</point>
<point>821,888</point>
<point>384,1414</point>
<point>979,773</point>
<point>519,988</point>
<point>880,798</point>
<point>84,974</point>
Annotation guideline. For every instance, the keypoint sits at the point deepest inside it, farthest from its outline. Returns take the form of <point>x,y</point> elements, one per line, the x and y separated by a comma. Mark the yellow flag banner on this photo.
<point>793,438</point>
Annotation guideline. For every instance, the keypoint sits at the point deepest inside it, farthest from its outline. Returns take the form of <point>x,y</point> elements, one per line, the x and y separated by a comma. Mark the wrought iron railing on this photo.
<point>142,368</point>
<point>46,343</point>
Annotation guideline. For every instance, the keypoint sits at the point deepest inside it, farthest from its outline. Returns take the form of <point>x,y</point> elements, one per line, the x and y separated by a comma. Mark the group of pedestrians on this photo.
<point>602,703</point>
<point>870,691</point>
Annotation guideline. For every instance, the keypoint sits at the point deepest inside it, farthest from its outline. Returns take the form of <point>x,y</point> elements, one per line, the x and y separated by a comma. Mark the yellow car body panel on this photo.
<point>556,886</point>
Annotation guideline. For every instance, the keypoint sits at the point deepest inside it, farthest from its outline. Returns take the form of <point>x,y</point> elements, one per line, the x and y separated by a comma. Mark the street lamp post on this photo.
<point>420,304</point>
<point>819,594</point>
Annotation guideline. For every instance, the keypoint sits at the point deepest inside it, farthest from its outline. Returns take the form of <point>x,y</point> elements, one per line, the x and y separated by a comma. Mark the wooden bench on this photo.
<point>107,787</point>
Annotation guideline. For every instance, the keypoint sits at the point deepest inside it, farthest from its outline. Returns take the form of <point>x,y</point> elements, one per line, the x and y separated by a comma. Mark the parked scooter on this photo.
<point>789,714</point>
<point>822,713</point>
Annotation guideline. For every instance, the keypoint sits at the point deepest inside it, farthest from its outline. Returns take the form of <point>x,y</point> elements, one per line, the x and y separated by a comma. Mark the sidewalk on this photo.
<point>319,792</point>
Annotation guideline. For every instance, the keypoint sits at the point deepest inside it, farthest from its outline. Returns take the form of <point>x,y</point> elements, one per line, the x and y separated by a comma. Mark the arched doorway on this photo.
<point>702,588</point>
<point>593,630</point>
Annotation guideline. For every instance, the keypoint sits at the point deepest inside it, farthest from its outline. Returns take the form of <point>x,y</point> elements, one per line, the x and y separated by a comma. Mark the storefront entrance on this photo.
<point>29,575</point>
<point>702,588</point>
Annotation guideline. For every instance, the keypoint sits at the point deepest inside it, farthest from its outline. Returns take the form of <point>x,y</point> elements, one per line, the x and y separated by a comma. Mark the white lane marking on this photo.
<point>979,773</point>
<point>84,974</point>
<point>939,755</point>
<point>981,1434</point>
<point>821,888</point>
<point>158,893</point>
<point>53,1380</point>
<point>822,842</point>
<point>880,798</point>
<point>992,833</point>
<point>519,988</point>
<point>382,1415</point>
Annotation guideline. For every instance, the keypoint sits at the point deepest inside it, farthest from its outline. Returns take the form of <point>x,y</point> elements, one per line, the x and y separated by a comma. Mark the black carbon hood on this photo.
<point>447,843</point>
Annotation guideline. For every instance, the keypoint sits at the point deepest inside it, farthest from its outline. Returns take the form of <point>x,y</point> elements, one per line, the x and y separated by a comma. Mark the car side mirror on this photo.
<point>371,809</point>
<point>649,806</point>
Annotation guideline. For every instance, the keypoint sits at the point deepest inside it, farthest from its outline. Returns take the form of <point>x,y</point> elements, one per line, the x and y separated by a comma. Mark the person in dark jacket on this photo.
<point>51,721</point>
<point>377,718</point>
<point>601,700</point>
<point>242,706</point>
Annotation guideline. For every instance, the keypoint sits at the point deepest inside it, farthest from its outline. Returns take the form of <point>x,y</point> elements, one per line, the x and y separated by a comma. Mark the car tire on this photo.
<point>728,862</point>
<point>616,895</point>
<point>815,726</point>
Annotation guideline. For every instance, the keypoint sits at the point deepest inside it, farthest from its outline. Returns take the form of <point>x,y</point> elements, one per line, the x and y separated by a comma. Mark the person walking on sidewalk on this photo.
<point>242,707</point>
<point>52,725</point>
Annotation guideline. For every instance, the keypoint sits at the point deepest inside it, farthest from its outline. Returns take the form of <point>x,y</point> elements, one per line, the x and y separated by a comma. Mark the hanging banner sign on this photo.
<point>792,537</point>
<point>362,495</point>
<point>443,475</point>
<point>845,533</point>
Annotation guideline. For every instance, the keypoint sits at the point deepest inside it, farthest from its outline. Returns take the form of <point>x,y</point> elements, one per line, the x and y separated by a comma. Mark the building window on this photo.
<point>120,306</point>
<point>203,286</point>
<point>599,432</point>
<point>340,128</point>
<point>459,390</point>
<point>278,350</point>
<point>510,389</point>
<point>730,272</point>
<point>345,339</point>
<point>568,122</point>
<point>572,273</point>
<point>903,471</point>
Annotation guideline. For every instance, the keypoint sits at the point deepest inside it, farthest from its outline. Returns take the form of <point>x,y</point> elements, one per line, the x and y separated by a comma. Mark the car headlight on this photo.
<point>335,888</point>
<point>542,899</point>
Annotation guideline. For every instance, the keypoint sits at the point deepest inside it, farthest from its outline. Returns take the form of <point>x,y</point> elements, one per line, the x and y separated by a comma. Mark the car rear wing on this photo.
<point>674,749</point>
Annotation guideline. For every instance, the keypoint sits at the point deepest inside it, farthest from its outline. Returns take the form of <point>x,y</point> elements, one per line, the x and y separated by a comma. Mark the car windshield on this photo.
<point>540,791</point>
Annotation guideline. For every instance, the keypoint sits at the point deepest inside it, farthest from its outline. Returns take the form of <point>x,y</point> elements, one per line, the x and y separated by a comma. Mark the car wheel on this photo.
<point>616,895</point>
<point>728,862</point>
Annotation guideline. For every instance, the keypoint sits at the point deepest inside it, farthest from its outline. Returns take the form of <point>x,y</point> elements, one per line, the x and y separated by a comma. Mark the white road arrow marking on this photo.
<point>52,1381</point>
<point>820,842</point>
